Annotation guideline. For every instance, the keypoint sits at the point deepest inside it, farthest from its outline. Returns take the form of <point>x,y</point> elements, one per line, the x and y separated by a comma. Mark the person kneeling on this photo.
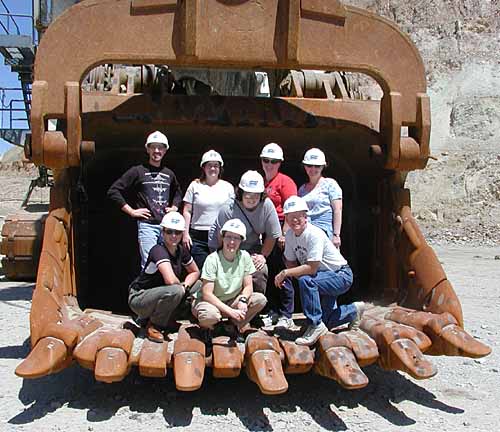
<point>227,289</point>
<point>169,274</point>
<point>322,272</point>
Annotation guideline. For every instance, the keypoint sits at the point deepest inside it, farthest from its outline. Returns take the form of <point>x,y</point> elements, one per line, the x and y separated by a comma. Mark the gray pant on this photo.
<point>259,280</point>
<point>158,303</point>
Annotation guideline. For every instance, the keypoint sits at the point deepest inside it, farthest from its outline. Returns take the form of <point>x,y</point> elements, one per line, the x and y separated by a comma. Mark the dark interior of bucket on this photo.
<point>107,249</point>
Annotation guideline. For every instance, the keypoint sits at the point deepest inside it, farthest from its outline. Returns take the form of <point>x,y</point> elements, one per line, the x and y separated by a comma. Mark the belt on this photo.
<point>199,235</point>
<point>345,266</point>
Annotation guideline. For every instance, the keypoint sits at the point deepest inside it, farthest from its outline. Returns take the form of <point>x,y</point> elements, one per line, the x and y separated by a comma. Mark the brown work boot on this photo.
<point>153,333</point>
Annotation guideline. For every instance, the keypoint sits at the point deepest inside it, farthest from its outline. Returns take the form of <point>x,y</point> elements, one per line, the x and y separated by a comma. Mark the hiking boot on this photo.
<point>153,333</point>
<point>360,310</point>
<point>312,334</point>
<point>284,322</point>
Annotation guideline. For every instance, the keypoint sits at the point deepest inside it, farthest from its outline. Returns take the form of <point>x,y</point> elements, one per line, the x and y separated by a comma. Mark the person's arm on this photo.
<point>247,285</point>
<point>246,292</point>
<point>116,194</point>
<point>140,213</point>
<point>214,237</point>
<point>337,221</point>
<point>193,274</point>
<point>186,212</point>
<point>309,268</point>
<point>175,195</point>
<point>166,270</point>
<point>267,246</point>
<point>207,294</point>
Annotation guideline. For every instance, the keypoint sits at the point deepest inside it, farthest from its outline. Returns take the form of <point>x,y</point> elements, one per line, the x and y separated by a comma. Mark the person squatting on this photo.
<point>235,251</point>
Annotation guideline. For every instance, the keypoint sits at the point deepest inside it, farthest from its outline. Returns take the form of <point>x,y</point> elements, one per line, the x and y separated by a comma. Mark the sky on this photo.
<point>8,78</point>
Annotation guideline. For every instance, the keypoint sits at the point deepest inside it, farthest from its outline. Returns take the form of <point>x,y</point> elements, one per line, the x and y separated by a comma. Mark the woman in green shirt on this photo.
<point>227,289</point>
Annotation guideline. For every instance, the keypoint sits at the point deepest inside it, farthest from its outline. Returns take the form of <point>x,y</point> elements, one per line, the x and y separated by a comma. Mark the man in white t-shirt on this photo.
<point>322,273</point>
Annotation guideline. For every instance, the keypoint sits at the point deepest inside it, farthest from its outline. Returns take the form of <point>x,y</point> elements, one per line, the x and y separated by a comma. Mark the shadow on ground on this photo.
<point>76,387</point>
<point>20,291</point>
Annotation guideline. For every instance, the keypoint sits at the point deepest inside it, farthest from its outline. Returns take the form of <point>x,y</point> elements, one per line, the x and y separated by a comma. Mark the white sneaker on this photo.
<point>285,322</point>
<point>269,319</point>
<point>312,334</point>
<point>360,310</point>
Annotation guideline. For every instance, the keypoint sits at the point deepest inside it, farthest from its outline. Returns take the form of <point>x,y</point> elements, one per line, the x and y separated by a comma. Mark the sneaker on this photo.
<point>154,334</point>
<point>285,322</point>
<point>312,334</point>
<point>269,319</point>
<point>360,310</point>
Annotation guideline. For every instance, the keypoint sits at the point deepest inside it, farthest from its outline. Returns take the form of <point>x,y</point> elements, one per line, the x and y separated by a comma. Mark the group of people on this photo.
<point>228,242</point>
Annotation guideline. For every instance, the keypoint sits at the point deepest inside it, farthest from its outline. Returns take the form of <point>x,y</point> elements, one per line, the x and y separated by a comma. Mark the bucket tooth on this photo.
<point>111,365</point>
<point>48,356</point>
<point>189,359</point>
<point>447,337</point>
<point>263,364</point>
<point>404,355</point>
<point>298,358</point>
<point>400,347</point>
<point>336,361</point>
<point>363,346</point>
<point>385,332</point>
<point>452,340</point>
<point>154,359</point>
<point>86,351</point>
<point>226,357</point>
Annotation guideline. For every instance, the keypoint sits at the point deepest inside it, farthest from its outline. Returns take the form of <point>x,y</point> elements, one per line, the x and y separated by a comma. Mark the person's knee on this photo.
<point>259,280</point>
<point>173,293</point>
<point>305,282</point>
<point>258,299</point>
<point>207,317</point>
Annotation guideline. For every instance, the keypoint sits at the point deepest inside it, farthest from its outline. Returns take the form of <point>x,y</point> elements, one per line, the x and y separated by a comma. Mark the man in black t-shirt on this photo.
<point>156,192</point>
<point>169,274</point>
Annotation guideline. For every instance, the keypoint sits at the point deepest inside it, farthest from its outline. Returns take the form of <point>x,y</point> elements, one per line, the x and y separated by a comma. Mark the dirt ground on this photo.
<point>462,397</point>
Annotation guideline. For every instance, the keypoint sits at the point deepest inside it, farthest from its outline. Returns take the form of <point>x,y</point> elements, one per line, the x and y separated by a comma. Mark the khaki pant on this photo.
<point>209,315</point>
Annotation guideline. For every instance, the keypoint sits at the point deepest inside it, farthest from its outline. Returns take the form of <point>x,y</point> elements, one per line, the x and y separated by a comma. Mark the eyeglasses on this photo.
<point>271,161</point>
<point>311,166</point>
<point>232,238</point>
<point>172,232</point>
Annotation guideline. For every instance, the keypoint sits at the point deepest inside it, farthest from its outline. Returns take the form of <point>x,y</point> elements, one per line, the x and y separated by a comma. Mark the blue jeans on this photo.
<point>148,236</point>
<point>319,294</point>
<point>199,252</point>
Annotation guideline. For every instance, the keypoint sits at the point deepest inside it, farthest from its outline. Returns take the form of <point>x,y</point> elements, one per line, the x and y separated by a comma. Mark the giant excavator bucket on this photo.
<point>88,258</point>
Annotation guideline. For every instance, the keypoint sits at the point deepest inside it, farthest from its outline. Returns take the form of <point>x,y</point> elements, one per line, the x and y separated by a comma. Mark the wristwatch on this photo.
<point>336,235</point>
<point>243,299</point>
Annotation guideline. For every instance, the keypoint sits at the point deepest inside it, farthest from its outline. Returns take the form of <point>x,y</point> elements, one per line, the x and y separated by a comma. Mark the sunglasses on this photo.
<point>172,232</point>
<point>271,161</point>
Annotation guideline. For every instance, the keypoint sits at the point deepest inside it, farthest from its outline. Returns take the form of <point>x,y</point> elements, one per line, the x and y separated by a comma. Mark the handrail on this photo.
<point>9,106</point>
<point>11,17</point>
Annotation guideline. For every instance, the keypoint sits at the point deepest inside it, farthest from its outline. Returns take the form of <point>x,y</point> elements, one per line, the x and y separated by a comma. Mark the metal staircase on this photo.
<point>17,45</point>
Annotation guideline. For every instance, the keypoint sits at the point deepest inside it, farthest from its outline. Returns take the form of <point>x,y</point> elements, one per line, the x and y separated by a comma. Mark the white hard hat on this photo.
<point>173,220</point>
<point>314,156</point>
<point>235,226</point>
<point>272,151</point>
<point>158,138</point>
<point>252,181</point>
<point>211,156</point>
<point>294,204</point>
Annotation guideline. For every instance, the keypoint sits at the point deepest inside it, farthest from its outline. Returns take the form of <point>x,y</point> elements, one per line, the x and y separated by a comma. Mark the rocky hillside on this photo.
<point>457,197</point>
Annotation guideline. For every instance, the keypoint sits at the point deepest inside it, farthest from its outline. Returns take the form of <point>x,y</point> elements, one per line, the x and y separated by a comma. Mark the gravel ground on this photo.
<point>463,396</point>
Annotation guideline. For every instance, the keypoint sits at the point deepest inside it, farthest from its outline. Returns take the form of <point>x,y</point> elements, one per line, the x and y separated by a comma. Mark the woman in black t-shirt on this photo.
<point>170,272</point>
